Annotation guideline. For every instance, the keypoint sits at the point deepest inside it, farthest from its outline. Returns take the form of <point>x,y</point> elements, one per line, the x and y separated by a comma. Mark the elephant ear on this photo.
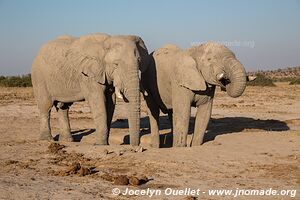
<point>145,58</point>
<point>88,66</point>
<point>94,69</point>
<point>187,75</point>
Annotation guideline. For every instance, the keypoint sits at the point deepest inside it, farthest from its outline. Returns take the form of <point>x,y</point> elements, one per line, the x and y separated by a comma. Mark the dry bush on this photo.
<point>296,81</point>
<point>16,81</point>
<point>261,80</point>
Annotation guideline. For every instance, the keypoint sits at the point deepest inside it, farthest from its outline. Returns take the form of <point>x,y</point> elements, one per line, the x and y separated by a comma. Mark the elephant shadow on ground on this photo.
<point>215,127</point>
<point>228,125</point>
<point>78,135</point>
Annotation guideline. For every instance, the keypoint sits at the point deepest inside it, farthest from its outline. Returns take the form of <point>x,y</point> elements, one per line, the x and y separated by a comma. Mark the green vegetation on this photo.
<point>296,81</point>
<point>285,79</point>
<point>16,81</point>
<point>261,80</point>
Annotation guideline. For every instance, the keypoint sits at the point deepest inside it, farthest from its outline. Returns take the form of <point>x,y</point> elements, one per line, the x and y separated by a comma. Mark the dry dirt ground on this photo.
<point>252,142</point>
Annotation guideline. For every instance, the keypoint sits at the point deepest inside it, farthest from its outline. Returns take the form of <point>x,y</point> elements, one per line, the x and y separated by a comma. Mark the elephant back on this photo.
<point>93,38</point>
<point>55,51</point>
<point>90,45</point>
<point>167,49</point>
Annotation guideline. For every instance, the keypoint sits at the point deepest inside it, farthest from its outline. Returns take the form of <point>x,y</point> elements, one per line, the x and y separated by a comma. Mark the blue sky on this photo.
<point>263,34</point>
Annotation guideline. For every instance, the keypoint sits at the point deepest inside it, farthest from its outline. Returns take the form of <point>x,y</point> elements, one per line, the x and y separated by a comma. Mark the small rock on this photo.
<point>105,152</point>
<point>134,181</point>
<point>107,177</point>
<point>121,180</point>
<point>121,152</point>
<point>55,147</point>
<point>84,171</point>
<point>143,179</point>
<point>73,168</point>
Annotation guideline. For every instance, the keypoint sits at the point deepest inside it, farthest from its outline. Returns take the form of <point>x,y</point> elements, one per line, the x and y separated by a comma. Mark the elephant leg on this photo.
<point>97,103</point>
<point>63,117</point>
<point>44,106</point>
<point>170,116</point>
<point>110,108</point>
<point>181,101</point>
<point>153,113</point>
<point>202,119</point>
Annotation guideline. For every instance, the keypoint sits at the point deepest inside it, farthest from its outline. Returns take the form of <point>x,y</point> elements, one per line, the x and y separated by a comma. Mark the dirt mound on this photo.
<point>55,148</point>
<point>76,169</point>
<point>125,180</point>
<point>73,162</point>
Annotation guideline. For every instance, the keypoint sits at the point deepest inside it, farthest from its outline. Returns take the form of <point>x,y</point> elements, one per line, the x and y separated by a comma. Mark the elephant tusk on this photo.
<point>140,75</point>
<point>142,89</point>
<point>118,93</point>
<point>145,93</point>
<point>220,76</point>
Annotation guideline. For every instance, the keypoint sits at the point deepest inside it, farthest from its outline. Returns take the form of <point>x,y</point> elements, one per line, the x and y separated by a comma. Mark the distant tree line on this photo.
<point>261,80</point>
<point>16,81</point>
<point>295,81</point>
<point>268,77</point>
<point>280,75</point>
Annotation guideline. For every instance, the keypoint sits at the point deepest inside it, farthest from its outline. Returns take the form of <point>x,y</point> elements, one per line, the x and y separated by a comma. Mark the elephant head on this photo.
<point>117,60</point>
<point>219,66</point>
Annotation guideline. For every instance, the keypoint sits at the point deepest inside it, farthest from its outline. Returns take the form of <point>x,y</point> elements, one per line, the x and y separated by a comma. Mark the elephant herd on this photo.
<point>99,68</point>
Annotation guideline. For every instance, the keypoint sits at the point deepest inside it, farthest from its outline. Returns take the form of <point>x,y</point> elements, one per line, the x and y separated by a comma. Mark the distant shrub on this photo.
<point>16,81</point>
<point>261,80</point>
<point>285,79</point>
<point>295,81</point>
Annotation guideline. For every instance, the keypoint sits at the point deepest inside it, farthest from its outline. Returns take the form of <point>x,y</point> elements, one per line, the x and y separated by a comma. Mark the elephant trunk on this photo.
<point>237,77</point>
<point>133,95</point>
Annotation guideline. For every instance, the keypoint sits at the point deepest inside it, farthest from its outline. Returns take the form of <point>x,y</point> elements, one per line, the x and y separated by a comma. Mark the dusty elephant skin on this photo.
<point>96,68</point>
<point>178,79</point>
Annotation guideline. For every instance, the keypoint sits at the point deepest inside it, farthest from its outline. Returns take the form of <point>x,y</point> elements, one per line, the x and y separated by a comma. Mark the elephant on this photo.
<point>96,68</point>
<point>178,79</point>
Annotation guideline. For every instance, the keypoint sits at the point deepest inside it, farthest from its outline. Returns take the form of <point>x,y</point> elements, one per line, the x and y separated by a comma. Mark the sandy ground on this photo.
<point>252,142</point>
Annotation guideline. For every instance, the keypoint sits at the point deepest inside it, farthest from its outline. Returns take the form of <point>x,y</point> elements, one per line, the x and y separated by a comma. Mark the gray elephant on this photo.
<point>177,79</point>
<point>95,68</point>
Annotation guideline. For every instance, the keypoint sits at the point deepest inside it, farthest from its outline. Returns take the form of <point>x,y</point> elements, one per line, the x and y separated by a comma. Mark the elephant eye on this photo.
<point>139,59</point>
<point>115,65</point>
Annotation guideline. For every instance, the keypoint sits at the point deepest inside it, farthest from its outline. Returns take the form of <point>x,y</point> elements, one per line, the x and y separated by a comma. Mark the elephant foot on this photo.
<point>134,141</point>
<point>179,140</point>
<point>134,144</point>
<point>66,138</point>
<point>46,136</point>
<point>197,141</point>
<point>179,145</point>
<point>101,141</point>
<point>195,144</point>
<point>155,143</point>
